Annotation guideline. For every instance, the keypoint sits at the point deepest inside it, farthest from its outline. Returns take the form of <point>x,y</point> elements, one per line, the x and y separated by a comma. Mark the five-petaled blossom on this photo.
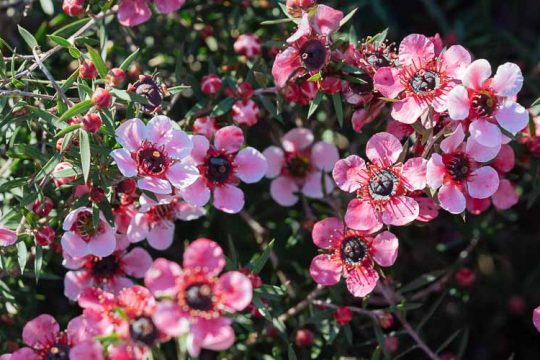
<point>222,166</point>
<point>457,172</point>
<point>155,219</point>
<point>110,273</point>
<point>82,238</point>
<point>351,254</point>
<point>489,101</point>
<point>423,77</point>
<point>153,153</point>
<point>308,48</point>
<point>136,12</point>
<point>300,166</point>
<point>383,187</point>
<point>195,300</point>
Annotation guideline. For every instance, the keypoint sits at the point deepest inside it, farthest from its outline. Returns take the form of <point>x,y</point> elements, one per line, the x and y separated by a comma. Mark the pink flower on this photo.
<point>81,238</point>
<point>222,166</point>
<point>308,50</point>
<point>155,220</point>
<point>153,153</point>
<point>7,236</point>
<point>351,254</point>
<point>536,318</point>
<point>422,79</point>
<point>45,341</point>
<point>109,273</point>
<point>136,12</point>
<point>299,166</point>
<point>248,45</point>
<point>489,101</point>
<point>382,187</point>
<point>205,126</point>
<point>245,112</point>
<point>302,93</point>
<point>196,299</point>
<point>457,172</point>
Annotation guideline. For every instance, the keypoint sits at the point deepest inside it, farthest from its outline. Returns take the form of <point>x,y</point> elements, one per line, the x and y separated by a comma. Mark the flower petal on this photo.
<point>324,230</point>
<point>325,271</point>
<point>455,60</point>
<point>229,199</point>
<point>170,319</point>
<point>125,163</point>
<point>483,182</point>
<point>362,281</point>
<point>283,190</point>
<point>236,290</point>
<point>458,103</point>
<point>506,195</point>
<point>326,20</point>
<point>162,276</point>
<point>206,254</point>
<point>297,139</point>
<point>349,173</point>
<point>275,159</point>
<point>480,152</point>
<point>512,117</point>
<point>197,194</point>
<point>133,12</point>
<point>414,173</point>
<point>485,133</point>
<point>159,130</point>
<point>361,215</point>
<point>179,145</point>
<point>385,248</point>
<point>452,199</point>
<point>130,134</point>
<point>182,175</point>
<point>407,110</point>
<point>138,228</point>
<point>161,235</point>
<point>285,65</point>
<point>383,149</point>
<point>168,6</point>
<point>476,74</point>
<point>400,211</point>
<point>136,262</point>
<point>41,331</point>
<point>386,80</point>
<point>155,185</point>
<point>415,49</point>
<point>250,165</point>
<point>324,155</point>
<point>229,139</point>
<point>7,236</point>
<point>454,141</point>
<point>508,80</point>
<point>435,171</point>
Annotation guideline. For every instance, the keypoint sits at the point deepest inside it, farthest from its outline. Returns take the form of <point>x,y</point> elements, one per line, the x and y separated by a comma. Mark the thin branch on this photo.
<point>302,304</point>
<point>373,314</point>
<point>49,76</point>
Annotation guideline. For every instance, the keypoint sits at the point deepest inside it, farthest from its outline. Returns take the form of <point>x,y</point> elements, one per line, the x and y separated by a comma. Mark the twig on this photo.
<point>26,94</point>
<point>48,75</point>
<point>302,304</point>
<point>373,314</point>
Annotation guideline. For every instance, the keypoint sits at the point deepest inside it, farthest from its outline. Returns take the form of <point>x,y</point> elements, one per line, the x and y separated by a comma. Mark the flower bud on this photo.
<point>330,85</point>
<point>465,277</point>
<point>44,209</point>
<point>245,112</point>
<point>91,123</point>
<point>255,279</point>
<point>97,195</point>
<point>102,98</point>
<point>386,320</point>
<point>126,186</point>
<point>73,7</point>
<point>343,315</point>
<point>134,71</point>
<point>147,87</point>
<point>210,84</point>
<point>44,235</point>
<point>248,45</point>
<point>303,338</point>
<point>62,180</point>
<point>87,70</point>
<point>391,343</point>
<point>205,126</point>
<point>116,77</point>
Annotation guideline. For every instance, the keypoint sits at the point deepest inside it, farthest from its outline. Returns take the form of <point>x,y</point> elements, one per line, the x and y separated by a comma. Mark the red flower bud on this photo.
<point>91,123</point>
<point>44,235</point>
<point>465,277</point>
<point>391,343</point>
<point>330,85</point>
<point>62,180</point>
<point>303,338</point>
<point>210,84</point>
<point>386,320</point>
<point>97,195</point>
<point>126,186</point>
<point>73,7</point>
<point>87,70</point>
<point>255,279</point>
<point>343,315</point>
<point>102,98</point>
<point>116,77</point>
<point>42,209</point>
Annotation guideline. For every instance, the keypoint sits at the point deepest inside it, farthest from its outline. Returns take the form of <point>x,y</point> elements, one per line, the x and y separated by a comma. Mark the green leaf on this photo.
<point>28,38</point>
<point>74,52</point>
<point>15,183</point>
<point>177,89</point>
<point>422,281</point>
<point>315,77</point>
<point>67,130</point>
<point>278,21</point>
<point>98,62</point>
<point>22,254</point>
<point>84,145</point>
<point>71,28</point>
<point>338,107</point>
<point>536,102</point>
<point>291,353</point>
<point>223,107</point>
<point>129,96</point>
<point>47,6</point>
<point>257,264</point>
<point>38,262</point>
<point>95,216</point>
<point>347,17</point>
<point>125,64</point>
<point>2,65</point>
<point>60,41</point>
<point>448,341</point>
<point>79,108</point>
<point>379,38</point>
<point>315,104</point>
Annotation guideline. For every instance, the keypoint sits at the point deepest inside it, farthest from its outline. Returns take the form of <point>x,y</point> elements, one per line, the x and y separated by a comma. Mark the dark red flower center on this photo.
<point>199,296</point>
<point>58,352</point>
<point>218,168</point>
<point>84,226</point>
<point>105,267</point>
<point>383,184</point>
<point>143,330</point>
<point>458,166</point>
<point>484,103</point>
<point>425,81</point>
<point>152,160</point>
<point>298,165</point>
<point>353,250</point>
<point>313,55</point>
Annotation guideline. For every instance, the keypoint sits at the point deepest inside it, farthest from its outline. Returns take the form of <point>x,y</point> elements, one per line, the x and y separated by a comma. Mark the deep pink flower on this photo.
<point>81,238</point>
<point>196,299</point>
<point>153,153</point>
<point>205,126</point>
<point>45,341</point>
<point>299,166</point>
<point>110,273</point>
<point>7,236</point>
<point>382,187</point>
<point>422,79</point>
<point>302,93</point>
<point>457,172</point>
<point>155,220</point>
<point>245,112</point>
<point>136,12</point>
<point>489,101</point>
<point>308,48</point>
<point>222,166</point>
<point>248,45</point>
<point>351,254</point>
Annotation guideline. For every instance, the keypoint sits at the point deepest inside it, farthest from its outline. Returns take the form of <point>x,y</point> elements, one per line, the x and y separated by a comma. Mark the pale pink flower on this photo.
<point>195,300</point>
<point>308,48</point>
<point>422,79</point>
<point>248,45</point>
<point>222,167</point>
<point>155,219</point>
<point>383,187</point>
<point>7,236</point>
<point>489,101</point>
<point>350,254</point>
<point>81,238</point>
<point>299,166</point>
<point>110,273</point>
<point>153,153</point>
<point>458,172</point>
<point>136,12</point>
